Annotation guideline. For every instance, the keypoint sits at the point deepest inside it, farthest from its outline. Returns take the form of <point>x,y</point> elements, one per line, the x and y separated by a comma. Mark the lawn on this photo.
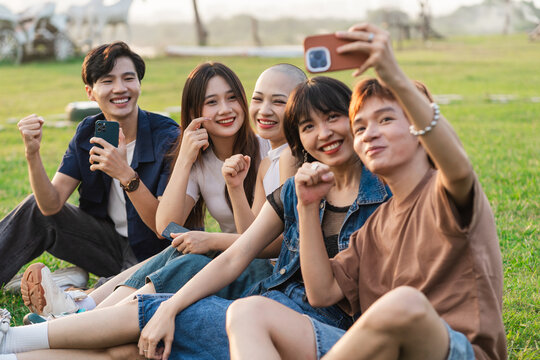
<point>500,135</point>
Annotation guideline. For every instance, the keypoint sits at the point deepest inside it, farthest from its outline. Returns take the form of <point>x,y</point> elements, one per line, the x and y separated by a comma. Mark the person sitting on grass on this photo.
<point>168,271</point>
<point>424,271</point>
<point>114,225</point>
<point>191,324</point>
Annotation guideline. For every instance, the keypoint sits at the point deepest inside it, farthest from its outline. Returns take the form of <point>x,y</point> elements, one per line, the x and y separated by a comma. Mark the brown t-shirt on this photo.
<point>420,243</point>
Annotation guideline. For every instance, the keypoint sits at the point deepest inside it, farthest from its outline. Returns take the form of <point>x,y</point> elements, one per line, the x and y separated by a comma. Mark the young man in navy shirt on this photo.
<point>114,225</point>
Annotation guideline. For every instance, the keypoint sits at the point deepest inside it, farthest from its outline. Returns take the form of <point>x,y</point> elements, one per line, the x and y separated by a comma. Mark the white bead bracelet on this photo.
<point>436,115</point>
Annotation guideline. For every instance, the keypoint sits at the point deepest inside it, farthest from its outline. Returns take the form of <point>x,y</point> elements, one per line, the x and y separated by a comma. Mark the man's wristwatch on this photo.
<point>132,184</point>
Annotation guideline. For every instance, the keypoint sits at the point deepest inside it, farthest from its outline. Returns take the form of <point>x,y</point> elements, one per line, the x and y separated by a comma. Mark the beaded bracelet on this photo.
<point>436,115</point>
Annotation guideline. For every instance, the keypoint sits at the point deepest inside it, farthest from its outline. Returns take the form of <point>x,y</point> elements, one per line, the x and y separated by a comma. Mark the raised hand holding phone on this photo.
<point>375,44</point>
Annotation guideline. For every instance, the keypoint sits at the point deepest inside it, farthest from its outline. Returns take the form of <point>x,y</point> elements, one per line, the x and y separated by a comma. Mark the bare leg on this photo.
<point>125,294</point>
<point>120,352</point>
<point>260,328</point>
<point>100,328</point>
<point>106,291</point>
<point>116,296</point>
<point>402,324</point>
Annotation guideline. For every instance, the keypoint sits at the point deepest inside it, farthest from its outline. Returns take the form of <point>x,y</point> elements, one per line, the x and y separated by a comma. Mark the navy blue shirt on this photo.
<point>155,135</point>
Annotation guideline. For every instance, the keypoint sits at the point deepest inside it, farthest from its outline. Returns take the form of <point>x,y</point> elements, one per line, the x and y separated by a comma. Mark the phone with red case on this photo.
<point>320,54</point>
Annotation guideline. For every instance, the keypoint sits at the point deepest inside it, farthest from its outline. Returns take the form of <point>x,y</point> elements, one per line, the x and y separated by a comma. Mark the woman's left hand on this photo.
<point>159,328</point>
<point>192,242</point>
<point>313,181</point>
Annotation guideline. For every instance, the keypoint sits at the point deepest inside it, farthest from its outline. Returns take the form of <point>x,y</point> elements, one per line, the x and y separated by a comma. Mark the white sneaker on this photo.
<point>73,276</point>
<point>42,295</point>
<point>5,319</point>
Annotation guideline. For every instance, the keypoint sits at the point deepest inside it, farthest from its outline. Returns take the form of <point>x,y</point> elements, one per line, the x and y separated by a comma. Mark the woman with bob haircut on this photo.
<point>424,271</point>
<point>191,323</point>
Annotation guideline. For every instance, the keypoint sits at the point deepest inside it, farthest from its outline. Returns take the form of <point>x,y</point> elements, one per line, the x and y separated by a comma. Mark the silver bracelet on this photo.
<point>436,115</point>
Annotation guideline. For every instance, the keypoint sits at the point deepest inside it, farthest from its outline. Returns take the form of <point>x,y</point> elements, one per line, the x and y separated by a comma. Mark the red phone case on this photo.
<point>329,43</point>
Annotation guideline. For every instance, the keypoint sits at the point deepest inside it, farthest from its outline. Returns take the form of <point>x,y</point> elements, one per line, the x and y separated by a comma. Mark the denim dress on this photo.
<point>200,328</point>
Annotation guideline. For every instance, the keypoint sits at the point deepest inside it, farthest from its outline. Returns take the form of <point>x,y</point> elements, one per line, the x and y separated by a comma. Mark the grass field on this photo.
<point>502,140</point>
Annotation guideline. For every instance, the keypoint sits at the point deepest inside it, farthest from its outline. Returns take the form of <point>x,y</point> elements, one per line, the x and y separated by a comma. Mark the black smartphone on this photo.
<point>320,54</point>
<point>173,228</point>
<point>108,131</point>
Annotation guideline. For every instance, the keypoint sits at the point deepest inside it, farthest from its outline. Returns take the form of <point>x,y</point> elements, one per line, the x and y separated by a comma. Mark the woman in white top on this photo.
<point>216,126</point>
<point>266,109</point>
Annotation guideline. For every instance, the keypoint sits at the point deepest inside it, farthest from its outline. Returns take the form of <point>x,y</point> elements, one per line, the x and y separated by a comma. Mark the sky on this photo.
<point>151,11</point>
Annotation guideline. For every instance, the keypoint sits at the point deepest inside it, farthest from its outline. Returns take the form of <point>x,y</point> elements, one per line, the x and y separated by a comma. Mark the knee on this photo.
<point>30,206</point>
<point>123,352</point>
<point>30,203</point>
<point>398,310</point>
<point>244,311</point>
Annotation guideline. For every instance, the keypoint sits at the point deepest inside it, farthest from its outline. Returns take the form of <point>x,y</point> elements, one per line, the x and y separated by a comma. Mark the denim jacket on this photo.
<point>371,193</point>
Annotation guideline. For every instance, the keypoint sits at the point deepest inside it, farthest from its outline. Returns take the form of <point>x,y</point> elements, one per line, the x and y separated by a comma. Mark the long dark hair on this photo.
<point>322,94</point>
<point>245,142</point>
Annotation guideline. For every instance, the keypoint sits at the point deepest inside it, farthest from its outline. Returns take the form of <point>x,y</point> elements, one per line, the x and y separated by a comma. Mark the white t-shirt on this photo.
<point>206,180</point>
<point>116,207</point>
<point>271,178</point>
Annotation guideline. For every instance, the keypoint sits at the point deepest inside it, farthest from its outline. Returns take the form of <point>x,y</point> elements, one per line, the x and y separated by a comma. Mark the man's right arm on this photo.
<point>50,196</point>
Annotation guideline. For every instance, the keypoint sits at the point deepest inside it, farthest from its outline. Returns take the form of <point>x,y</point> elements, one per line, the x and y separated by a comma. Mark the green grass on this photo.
<point>501,139</point>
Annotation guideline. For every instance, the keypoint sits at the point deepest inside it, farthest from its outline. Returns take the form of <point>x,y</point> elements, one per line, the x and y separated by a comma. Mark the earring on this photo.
<point>304,152</point>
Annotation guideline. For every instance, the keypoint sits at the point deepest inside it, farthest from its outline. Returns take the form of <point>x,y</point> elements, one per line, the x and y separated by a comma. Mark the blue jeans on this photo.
<point>170,270</point>
<point>200,328</point>
<point>326,336</point>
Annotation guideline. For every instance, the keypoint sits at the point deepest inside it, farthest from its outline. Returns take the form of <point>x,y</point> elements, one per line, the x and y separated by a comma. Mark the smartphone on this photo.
<point>320,54</point>
<point>173,228</point>
<point>107,130</point>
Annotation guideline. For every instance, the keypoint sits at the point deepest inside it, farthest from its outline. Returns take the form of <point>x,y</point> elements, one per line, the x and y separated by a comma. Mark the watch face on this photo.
<point>133,184</point>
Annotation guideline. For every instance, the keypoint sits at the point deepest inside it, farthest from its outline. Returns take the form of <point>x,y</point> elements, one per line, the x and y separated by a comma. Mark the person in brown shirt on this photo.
<point>425,270</point>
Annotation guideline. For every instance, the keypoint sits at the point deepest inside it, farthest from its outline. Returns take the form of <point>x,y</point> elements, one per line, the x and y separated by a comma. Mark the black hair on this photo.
<point>320,94</point>
<point>101,60</point>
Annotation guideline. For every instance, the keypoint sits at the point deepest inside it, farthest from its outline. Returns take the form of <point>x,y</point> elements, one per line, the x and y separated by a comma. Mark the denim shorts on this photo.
<point>170,270</point>
<point>459,348</point>
<point>200,328</point>
<point>326,336</point>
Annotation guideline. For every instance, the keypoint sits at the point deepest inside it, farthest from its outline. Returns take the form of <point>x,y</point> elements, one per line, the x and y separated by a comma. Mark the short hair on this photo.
<point>101,60</point>
<point>321,94</point>
<point>371,87</point>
